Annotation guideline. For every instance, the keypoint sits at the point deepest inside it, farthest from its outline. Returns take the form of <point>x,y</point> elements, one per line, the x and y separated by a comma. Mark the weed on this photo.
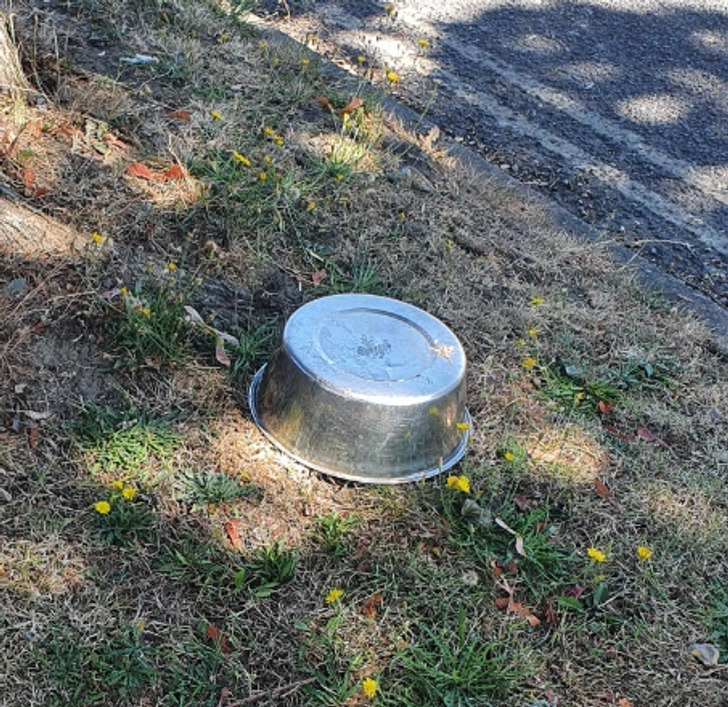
<point>332,530</point>
<point>453,665</point>
<point>192,672</point>
<point>122,521</point>
<point>213,489</point>
<point>123,442</point>
<point>270,568</point>
<point>255,345</point>
<point>199,564</point>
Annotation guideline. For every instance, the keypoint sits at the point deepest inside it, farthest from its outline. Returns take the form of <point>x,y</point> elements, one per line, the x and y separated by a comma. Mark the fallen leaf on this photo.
<point>351,106</point>
<point>624,702</point>
<point>523,503</point>
<point>706,653</point>
<point>526,613</point>
<point>519,546</point>
<point>33,437</point>
<point>318,277</point>
<point>28,178</point>
<point>576,591</point>
<point>604,407</point>
<point>113,140</point>
<point>176,171</point>
<point>217,636</point>
<point>644,434</point>
<point>502,602</point>
<point>497,569</point>
<point>220,353</point>
<point>325,103</point>
<point>231,528</point>
<point>602,489</point>
<point>519,540</point>
<point>141,171</point>
<point>40,191</point>
<point>181,115</point>
<point>620,435</point>
<point>369,608</point>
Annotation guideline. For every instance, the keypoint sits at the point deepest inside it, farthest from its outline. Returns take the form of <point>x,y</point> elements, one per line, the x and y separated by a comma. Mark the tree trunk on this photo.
<point>12,79</point>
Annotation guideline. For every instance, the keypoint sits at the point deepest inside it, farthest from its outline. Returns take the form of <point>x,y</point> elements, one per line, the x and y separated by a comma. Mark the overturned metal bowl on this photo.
<point>365,388</point>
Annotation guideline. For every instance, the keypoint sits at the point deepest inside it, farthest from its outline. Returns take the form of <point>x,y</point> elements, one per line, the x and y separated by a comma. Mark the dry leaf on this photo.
<point>216,635</point>
<point>113,140</point>
<point>523,503</point>
<point>318,277</point>
<point>624,702</point>
<point>602,489</point>
<point>351,106</point>
<point>502,602</point>
<point>644,434</point>
<point>141,171</point>
<point>220,353</point>
<point>620,435</point>
<point>33,437</point>
<point>519,546</point>
<point>181,115</point>
<point>519,540</point>
<point>605,408</point>
<point>369,608</point>
<point>497,569</point>
<point>325,103</point>
<point>176,171</point>
<point>28,178</point>
<point>231,528</point>
<point>523,611</point>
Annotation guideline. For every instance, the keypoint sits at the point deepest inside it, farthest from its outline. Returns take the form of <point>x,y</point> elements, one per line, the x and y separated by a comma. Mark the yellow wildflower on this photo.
<point>262,176</point>
<point>146,312</point>
<point>310,206</point>
<point>334,595</point>
<point>389,9</point>
<point>532,332</point>
<point>537,301</point>
<point>129,493</point>
<point>463,426</point>
<point>596,555</point>
<point>461,483</point>
<point>278,140</point>
<point>423,43</point>
<point>224,37</point>
<point>361,59</point>
<point>102,507</point>
<point>97,238</point>
<point>392,76</point>
<point>172,267</point>
<point>339,177</point>
<point>263,45</point>
<point>509,456</point>
<point>644,553</point>
<point>269,132</point>
<point>118,485</point>
<point>370,687</point>
<point>241,158</point>
<point>529,363</point>
<point>520,343</point>
<point>216,114</point>
<point>305,62</point>
<point>123,292</point>
<point>267,160</point>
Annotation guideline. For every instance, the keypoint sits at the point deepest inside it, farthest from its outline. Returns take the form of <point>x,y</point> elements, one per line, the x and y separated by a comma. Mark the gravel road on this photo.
<point>616,109</point>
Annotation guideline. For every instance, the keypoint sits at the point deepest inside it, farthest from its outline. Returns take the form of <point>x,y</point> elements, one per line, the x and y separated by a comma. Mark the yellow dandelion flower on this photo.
<point>370,687</point>
<point>509,456</point>
<point>334,595</point>
<point>392,76</point>
<point>216,114</point>
<point>118,485</point>
<point>102,507</point>
<point>146,312</point>
<point>520,343</point>
<point>262,176</point>
<point>124,292</point>
<point>529,363</point>
<point>278,140</point>
<point>172,267</point>
<point>128,492</point>
<point>267,160</point>
<point>361,59</point>
<point>305,62</point>
<point>644,553</point>
<point>269,132</point>
<point>241,158</point>
<point>532,332</point>
<point>389,9</point>
<point>276,61</point>
<point>537,301</point>
<point>461,483</point>
<point>463,426</point>
<point>596,555</point>
<point>224,37</point>
<point>97,238</point>
<point>423,43</point>
<point>310,206</point>
<point>263,45</point>
<point>339,177</point>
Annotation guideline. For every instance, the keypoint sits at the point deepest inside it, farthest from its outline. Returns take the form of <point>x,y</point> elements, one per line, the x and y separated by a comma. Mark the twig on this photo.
<point>278,692</point>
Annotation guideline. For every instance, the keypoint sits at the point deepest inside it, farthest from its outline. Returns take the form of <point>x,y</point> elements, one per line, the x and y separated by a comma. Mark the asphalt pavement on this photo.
<point>617,110</point>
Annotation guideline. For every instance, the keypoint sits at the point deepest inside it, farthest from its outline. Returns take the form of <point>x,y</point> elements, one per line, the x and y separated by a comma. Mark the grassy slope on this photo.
<point>182,595</point>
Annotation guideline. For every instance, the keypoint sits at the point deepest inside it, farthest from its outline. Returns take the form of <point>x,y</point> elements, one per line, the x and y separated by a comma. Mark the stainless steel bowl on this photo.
<point>365,388</point>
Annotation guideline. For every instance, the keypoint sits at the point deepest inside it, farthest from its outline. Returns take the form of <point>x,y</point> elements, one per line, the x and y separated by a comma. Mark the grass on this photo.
<point>222,572</point>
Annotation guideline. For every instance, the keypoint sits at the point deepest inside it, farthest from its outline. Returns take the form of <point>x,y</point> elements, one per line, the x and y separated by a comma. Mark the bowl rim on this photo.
<point>453,458</point>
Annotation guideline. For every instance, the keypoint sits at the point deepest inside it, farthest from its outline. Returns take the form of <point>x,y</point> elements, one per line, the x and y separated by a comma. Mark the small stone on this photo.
<point>16,287</point>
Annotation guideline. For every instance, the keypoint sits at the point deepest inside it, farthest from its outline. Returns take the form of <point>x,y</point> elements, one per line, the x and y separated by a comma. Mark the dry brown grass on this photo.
<point>402,223</point>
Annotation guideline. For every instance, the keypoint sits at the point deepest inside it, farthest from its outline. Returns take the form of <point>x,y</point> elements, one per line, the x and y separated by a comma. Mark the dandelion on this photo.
<point>509,456</point>
<point>146,312</point>
<point>423,43</point>
<point>392,76</point>
<point>224,37</point>
<point>370,687</point>
<point>241,158</point>
<point>171,267</point>
<point>537,301</point>
<point>128,492</point>
<point>97,238</point>
<point>339,177</point>
<point>262,176</point>
<point>276,61</point>
<point>216,114</point>
<point>118,485</point>
<point>278,140</point>
<point>461,483</point>
<point>596,555</point>
<point>520,343</point>
<point>269,132</point>
<point>389,9</point>
<point>644,553</point>
<point>463,426</point>
<point>310,206</point>
<point>102,507</point>
<point>529,363</point>
<point>305,62</point>
<point>532,332</point>
<point>361,59</point>
<point>267,160</point>
<point>334,595</point>
<point>263,45</point>
<point>124,292</point>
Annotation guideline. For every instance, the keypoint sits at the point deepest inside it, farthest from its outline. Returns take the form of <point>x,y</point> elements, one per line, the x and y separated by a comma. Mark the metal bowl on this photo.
<point>365,388</point>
